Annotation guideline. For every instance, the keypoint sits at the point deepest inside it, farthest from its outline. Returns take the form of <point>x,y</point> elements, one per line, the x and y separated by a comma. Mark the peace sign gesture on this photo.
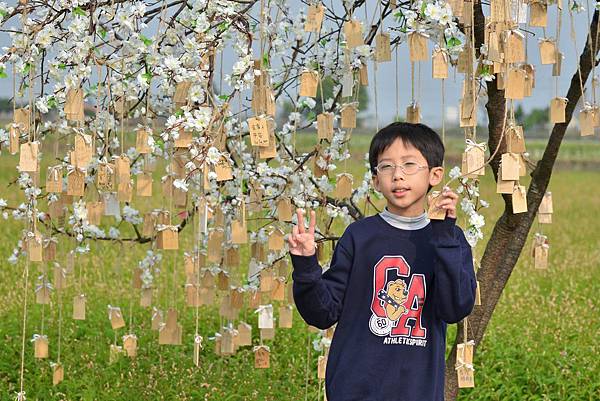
<point>301,242</point>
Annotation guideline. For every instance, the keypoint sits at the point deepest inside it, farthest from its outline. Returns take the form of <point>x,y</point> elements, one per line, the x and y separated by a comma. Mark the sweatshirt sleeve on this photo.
<point>319,296</point>
<point>454,275</point>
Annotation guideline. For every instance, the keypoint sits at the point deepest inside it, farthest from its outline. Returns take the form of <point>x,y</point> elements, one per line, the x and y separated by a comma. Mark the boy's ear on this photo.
<point>375,182</point>
<point>436,175</point>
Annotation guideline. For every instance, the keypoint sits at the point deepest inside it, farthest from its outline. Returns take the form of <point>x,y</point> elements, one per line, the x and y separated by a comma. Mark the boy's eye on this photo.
<point>386,167</point>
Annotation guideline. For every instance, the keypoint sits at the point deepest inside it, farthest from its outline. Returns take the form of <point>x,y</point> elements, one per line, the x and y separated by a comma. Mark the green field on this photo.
<point>542,343</point>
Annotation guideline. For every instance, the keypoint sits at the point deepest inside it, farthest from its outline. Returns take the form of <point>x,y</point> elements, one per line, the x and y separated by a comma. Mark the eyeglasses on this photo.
<point>408,168</point>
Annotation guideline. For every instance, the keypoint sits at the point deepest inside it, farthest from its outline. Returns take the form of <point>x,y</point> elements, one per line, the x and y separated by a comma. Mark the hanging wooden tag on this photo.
<point>417,45</point>
<point>278,289</point>
<point>168,237</point>
<point>557,110</point>
<point>22,118</point>
<point>546,204</point>
<point>40,343</point>
<point>125,191</point>
<point>122,168</point>
<point>170,333</point>
<point>510,166</point>
<point>83,150</point>
<point>28,158</point>
<point>261,357</point>
<point>413,113</point>
<point>284,210</point>
<point>259,132</point>
<point>58,373</point>
<point>42,294</point>
<point>184,139</point>
<point>434,213</point>
<point>586,122</point>
<point>276,242</point>
<point>116,317</point>
<point>14,134</point>
<point>285,316</point>
<point>105,176</point>
<point>545,218</point>
<point>538,13</point>
<point>515,84</point>
<point>504,186</point>
<point>363,75</point>
<point>54,180</point>
<point>547,51</point>
<point>239,230</point>
<point>181,93</point>
<point>265,316</point>
<point>270,151</point>
<point>556,67</point>
<point>439,63</point>
<point>223,280</point>
<point>353,32</point>
<point>35,247</point>
<point>227,347</point>
<point>383,51</point>
<point>74,105</point>
<point>475,158</point>
<point>130,345</point>
<point>348,113</point>
<point>314,18</point>
<point>343,187</point>
<point>95,210</point>
<point>144,184</point>
<point>142,145</point>
<point>321,367</point>
<point>244,334</point>
<point>79,303</point>
<point>541,256</point>
<point>267,334</point>
<point>197,347</point>
<point>309,81</point>
<point>514,47</point>
<point>478,295</point>
<point>325,126</point>
<point>75,182</point>
<point>515,139</point>
<point>519,199</point>
<point>266,280</point>
<point>60,278</point>
<point>236,297</point>
<point>464,365</point>
<point>223,170</point>
<point>157,319</point>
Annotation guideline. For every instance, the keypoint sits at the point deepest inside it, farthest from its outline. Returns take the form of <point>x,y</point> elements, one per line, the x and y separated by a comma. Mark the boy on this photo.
<point>395,280</point>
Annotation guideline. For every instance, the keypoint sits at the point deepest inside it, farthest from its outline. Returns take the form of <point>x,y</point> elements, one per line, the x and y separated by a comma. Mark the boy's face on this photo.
<point>405,194</point>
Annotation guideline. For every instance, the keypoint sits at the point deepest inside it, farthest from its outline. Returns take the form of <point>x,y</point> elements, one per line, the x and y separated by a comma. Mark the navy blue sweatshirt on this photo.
<point>391,293</point>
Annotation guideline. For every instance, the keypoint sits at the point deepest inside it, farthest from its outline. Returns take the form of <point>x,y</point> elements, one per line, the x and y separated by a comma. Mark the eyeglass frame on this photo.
<point>420,167</point>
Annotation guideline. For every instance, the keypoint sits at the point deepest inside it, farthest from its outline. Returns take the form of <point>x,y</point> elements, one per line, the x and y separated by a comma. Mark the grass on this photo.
<point>542,342</point>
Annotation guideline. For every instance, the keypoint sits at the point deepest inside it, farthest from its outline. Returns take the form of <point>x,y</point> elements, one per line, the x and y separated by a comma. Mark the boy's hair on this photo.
<point>420,136</point>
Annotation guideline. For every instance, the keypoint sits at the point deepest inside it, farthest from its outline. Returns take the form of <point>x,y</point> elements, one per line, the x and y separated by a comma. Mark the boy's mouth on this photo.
<point>398,192</point>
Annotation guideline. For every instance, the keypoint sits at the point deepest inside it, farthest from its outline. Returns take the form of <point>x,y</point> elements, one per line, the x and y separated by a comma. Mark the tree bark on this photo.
<point>511,230</point>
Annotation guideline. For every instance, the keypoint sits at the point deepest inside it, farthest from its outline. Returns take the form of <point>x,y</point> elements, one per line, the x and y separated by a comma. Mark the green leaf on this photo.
<point>79,11</point>
<point>265,60</point>
<point>179,113</point>
<point>147,41</point>
<point>224,97</point>
<point>52,102</point>
<point>147,76</point>
<point>102,33</point>
<point>453,42</point>
<point>423,5</point>
<point>62,66</point>
<point>27,68</point>
<point>3,73</point>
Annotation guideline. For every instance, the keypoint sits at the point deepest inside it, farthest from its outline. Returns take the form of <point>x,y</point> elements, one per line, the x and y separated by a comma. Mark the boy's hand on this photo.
<point>302,243</point>
<point>447,201</point>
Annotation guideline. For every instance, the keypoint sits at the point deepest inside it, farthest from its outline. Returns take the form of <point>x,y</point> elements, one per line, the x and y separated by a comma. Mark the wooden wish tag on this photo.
<point>130,345</point>
<point>309,81</point>
<point>60,277</point>
<point>586,122</point>
<point>14,134</point>
<point>116,317</point>
<point>363,75</point>
<point>545,218</point>
<point>49,249</point>
<point>95,210</point>
<point>184,139</point>
<point>417,45</point>
<point>142,144</point>
<point>236,298</point>
<point>284,210</point>
<point>383,51</point>
<point>541,256</point>
<point>285,316</point>
<point>439,63</point>
<point>157,319</point>
<point>509,165</point>
<point>267,334</point>
<point>115,353</point>
<point>244,334</point>
<point>42,293</point>
<point>75,181</point>
<point>556,67</point>
<point>546,205</point>
<point>146,297</point>
<point>270,151</point>
<point>58,373</point>
<point>519,199</point>
<point>514,47</point>
<point>227,345</point>
<point>538,13</point>
<point>40,344</point>
<point>276,242</point>
<point>170,333</point>
<point>314,18</point>
<point>22,118</point>
<point>261,357</point>
<point>343,186</point>
<point>413,113</point>
<point>54,179</point>
<point>144,185</point>
<point>35,247</point>
<point>321,367</point>
<point>167,237</point>
<point>259,131</point>
<point>223,280</point>
<point>223,169</point>
<point>239,229</point>
<point>125,191</point>
<point>123,168</point>
<point>74,105</point>
<point>547,51</point>
<point>515,84</point>
<point>433,212</point>
<point>464,364</point>
<point>353,33</point>
<point>180,98</point>
<point>325,126</point>
<point>79,303</point>
<point>558,106</point>
<point>105,176</point>
<point>265,316</point>
<point>266,280</point>
<point>278,289</point>
<point>28,157</point>
<point>475,158</point>
<point>515,139</point>
<point>84,150</point>
<point>348,113</point>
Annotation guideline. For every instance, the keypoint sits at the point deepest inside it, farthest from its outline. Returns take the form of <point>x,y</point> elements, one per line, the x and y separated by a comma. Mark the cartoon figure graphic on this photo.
<point>394,297</point>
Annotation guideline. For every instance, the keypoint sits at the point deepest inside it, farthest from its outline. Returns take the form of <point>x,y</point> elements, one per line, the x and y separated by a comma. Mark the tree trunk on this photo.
<point>511,230</point>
